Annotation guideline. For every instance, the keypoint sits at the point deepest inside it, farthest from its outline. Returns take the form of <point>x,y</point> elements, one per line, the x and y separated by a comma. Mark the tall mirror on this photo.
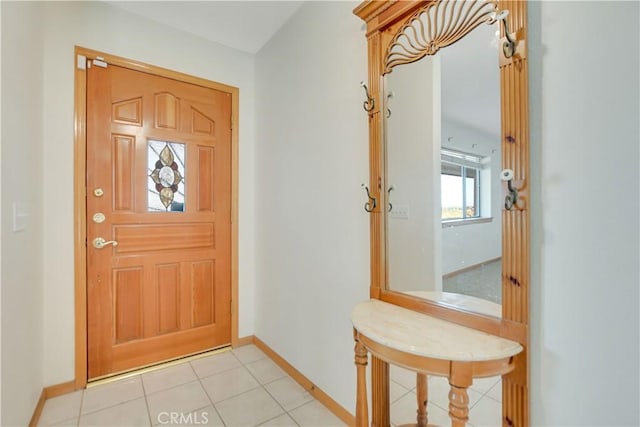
<point>442,156</point>
<point>446,98</point>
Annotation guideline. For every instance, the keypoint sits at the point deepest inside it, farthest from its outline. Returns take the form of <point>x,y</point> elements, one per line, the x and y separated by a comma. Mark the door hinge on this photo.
<point>81,62</point>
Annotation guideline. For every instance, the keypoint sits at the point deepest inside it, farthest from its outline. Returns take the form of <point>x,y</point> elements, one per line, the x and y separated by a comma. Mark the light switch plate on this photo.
<point>400,211</point>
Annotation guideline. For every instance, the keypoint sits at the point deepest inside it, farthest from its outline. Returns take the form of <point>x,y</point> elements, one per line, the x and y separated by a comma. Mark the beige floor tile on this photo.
<point>248,409</point>
<point>439,392</point>
<point>283,420</point>
<point>228,384</point>
<point>132,413</point>
<point>496,392</point>
<point>486,413</point>
<point>249,353</point>
<point>483,385</point>
<point>215,364</point>
<point>106,395</point>
<point>65,423</point>
<point>288,393</point>
<point>168,378</point>
<point>402,376</point>
<point>314,414</point>
<point>404,411</point>
<point>265,370</point>
<point>183,399</point>
<point>396,391</point>
<point>61,408</point>
<point>207,416</point>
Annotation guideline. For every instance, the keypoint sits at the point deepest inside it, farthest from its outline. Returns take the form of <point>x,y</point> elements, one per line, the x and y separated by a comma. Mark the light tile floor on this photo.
<point>243,387</point>
<point>485,400</point>
<point>484,281</point>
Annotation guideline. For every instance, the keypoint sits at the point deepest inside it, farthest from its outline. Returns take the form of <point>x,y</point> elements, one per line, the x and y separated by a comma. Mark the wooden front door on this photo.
<point>158,219</point>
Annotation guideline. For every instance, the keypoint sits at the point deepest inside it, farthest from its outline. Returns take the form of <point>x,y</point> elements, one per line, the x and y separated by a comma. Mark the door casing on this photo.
<point>80,191</point>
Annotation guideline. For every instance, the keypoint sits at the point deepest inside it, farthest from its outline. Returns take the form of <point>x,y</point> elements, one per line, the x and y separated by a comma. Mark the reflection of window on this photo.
<point>460,185</point>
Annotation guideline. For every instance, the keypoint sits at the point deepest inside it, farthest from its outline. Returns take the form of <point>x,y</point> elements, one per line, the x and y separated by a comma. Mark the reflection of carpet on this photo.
<point>482,282</point>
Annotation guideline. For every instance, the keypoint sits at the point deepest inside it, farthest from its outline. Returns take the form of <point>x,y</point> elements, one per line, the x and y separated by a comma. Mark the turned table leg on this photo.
<point>362,412</point>
<point>459,380</point>
<point>421,388</point>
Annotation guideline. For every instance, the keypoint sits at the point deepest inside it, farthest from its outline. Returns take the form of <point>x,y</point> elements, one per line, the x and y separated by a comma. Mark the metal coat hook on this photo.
<point>511,198</point>
<point>370,103</point>
<point>389,96</point>
<point>389,197</point>
<point>372,203</point>
<point>508,47</point>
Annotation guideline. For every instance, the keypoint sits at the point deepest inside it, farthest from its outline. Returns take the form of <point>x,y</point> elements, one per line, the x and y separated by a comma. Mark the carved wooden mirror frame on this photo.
<point>386,22</point>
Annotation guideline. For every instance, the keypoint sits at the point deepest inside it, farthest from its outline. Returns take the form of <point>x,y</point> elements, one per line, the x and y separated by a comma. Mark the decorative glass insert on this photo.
<point>166,172</point>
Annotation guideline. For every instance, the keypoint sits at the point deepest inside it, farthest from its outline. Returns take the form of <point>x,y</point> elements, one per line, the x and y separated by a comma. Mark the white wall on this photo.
<point>312,235</point>
<point>584,143</point>
<point>584,74</point>
<point>1,217</point>
<point>101,27</point>
<point>22,181</point>
<point>413,167</point>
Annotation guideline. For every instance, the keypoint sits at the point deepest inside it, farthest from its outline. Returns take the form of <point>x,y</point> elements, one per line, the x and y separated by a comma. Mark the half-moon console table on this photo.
<point>427,346</point>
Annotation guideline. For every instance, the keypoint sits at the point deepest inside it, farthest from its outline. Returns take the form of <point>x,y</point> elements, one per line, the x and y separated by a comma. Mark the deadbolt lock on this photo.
<point>99,218</point>
<point>98,192</point>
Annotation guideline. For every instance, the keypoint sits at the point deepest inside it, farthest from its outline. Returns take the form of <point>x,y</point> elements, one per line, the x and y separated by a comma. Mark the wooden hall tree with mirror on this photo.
<point>386,22</point>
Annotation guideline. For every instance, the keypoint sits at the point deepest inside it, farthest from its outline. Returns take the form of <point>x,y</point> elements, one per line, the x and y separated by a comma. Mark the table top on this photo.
<point>417,333</point>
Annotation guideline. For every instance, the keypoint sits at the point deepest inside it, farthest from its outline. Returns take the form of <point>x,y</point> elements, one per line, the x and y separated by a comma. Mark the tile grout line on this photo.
<point>114,405</point>
<point>80,408</point>
<point>216,373</point>
<point>279,404</point>
<point>235,395</point>
<point>213,405</point>
<point>483,395</point>
<point>146,401</point>
<point>267,391</point>
<point>288,413</point>
<point>401,396</point>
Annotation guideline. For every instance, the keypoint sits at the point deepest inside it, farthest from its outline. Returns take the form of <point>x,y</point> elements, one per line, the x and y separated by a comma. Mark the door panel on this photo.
<point>160,149</point>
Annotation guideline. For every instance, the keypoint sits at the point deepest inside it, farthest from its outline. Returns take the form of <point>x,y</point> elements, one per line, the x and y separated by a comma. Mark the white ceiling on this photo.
<point>242,25</point>
<point>471,83</point>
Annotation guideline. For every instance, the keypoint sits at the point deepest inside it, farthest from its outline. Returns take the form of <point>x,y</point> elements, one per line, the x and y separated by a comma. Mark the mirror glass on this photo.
<point>443,163</point>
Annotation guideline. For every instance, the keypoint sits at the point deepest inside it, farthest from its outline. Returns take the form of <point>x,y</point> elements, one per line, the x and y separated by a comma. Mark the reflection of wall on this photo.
<point>413,162</point>
<point>472,244</point>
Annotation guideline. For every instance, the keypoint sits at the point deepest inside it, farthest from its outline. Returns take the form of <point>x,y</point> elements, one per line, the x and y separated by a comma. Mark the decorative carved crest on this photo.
<point>435,26</point>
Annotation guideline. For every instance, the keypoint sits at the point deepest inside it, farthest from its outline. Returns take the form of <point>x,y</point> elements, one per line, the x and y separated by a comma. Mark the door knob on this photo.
<point>100,243</point>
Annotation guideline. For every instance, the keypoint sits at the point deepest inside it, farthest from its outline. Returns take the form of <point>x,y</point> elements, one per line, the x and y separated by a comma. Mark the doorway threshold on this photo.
<point>155,367</point>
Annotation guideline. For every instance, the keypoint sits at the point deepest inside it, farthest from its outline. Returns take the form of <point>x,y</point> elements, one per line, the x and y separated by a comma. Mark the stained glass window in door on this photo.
<point>165,162</point>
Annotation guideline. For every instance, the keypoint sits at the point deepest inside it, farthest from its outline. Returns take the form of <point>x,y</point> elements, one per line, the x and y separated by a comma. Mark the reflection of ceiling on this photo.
<point>471,85</point>
<point>242,25</point>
